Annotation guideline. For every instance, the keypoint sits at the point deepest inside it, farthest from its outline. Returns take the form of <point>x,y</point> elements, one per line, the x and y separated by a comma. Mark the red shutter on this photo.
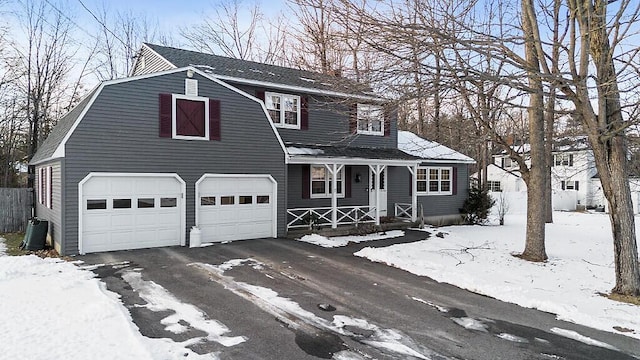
<point>387,123</point>
<point>347,181</point>
<point>260,94</point>
<point>562,184</point>
<point>353,119</point>
<point>50,187</point>
<point>304,113</point>
<point>577,185</point>
<point>454,180</point>
<point>306,181</point>
<point>165,115</point>
<point>214,120</point>
<point>570,159</point>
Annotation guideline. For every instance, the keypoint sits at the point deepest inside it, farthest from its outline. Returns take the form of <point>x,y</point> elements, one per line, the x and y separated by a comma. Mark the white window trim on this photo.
<point>281,123</point>
<point>327,183</point>
<point>205,100</point>
<point>369,125</point>
<point>560,159</point>
<point>436,193</point>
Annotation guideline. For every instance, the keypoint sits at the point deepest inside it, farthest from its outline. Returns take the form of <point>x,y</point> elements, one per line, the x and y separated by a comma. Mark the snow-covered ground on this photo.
<point>64,308</point>
<point>479,258</point>
<point>52,309</point>
<point>338,241</point>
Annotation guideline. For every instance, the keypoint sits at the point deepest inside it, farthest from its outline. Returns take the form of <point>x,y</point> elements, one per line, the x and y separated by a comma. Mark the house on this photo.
<point>574,178</point>
<point>236,149</point>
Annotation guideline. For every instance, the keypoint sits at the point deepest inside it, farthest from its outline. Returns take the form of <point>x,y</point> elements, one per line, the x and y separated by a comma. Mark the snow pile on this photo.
<point>3,247</point>
<point>479,258</point>
<point>338,241</point>
<point>65,310</point>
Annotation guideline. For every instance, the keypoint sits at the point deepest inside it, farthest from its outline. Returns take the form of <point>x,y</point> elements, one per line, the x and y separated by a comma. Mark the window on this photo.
<point>563,159</point>
<point>434,181</point>
<point>243,200</point>
<point>146,203</point>
<point>168,202</point>
<point>45,189</point>
<point>207,200</point>
<point>227,200</point>
<point>370,119</point>
<point>96,204</point>
<point>507,162</point>
<point>284,109</point>
<point>190,115</point>
<point>570,185</point>
<point>122,203</point>
<point>321,182</point>
<point>494,186</point>
<point>262,199</point>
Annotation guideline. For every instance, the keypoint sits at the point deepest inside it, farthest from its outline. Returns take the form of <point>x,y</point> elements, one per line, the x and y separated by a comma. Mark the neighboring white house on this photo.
<point>573,175</point>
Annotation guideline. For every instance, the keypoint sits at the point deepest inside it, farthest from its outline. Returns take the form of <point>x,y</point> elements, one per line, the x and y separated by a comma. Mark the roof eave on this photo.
<point>350,161</point>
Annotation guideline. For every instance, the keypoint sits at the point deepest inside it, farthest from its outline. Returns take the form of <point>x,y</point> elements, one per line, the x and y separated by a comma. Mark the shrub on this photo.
<point>475,209</point>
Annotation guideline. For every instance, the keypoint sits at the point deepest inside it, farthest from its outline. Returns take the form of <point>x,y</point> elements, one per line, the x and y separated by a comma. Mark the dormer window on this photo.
<point>370,119</point>
<point>284,109</point>
<point>563,159</point>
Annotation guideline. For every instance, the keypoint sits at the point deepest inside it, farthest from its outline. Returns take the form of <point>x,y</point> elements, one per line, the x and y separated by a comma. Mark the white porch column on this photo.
<point>414,192</point>
<point>377,187</point>
<point>334,169</point>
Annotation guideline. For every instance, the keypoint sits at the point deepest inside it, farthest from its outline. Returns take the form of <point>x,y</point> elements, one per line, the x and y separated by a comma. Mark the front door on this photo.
<point>382,186</point>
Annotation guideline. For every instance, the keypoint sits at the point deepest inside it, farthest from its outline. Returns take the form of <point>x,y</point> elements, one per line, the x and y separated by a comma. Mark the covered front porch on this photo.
<point>366,182</point>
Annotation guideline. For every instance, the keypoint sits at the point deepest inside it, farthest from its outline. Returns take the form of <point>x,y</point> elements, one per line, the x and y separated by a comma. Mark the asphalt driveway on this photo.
<point>292,300</point>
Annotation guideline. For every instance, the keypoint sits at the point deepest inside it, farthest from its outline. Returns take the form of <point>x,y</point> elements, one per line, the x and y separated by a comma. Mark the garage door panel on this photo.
<point>142,223</point>
<point>246,218</point>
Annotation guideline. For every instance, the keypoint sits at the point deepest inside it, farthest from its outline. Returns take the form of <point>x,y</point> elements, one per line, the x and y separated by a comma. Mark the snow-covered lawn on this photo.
<point>478,258</point>
<point>52,309</point>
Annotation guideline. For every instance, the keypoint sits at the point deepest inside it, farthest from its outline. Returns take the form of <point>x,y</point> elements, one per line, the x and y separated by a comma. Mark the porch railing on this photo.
<point>403,211</point>
<point>315,217</point>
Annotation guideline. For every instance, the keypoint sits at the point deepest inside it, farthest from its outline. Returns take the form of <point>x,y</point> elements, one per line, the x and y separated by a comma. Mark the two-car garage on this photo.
<point>122,211</point>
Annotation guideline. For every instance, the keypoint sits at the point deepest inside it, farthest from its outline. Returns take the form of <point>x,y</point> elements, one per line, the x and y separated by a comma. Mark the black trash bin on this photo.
<point>36,235</point>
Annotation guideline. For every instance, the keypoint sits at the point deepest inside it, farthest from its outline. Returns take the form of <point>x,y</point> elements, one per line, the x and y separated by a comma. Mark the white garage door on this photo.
<point>236,207</point>
<point>130,212</point>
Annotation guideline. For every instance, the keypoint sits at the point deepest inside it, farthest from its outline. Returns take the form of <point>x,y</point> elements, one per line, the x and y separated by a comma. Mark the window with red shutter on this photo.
<point>190,118</point>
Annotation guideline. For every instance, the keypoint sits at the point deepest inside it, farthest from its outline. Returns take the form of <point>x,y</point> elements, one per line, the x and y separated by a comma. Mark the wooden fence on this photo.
<point>15,209</point>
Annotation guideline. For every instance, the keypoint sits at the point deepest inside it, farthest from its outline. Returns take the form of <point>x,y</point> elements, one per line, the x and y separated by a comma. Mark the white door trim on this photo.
<point>274,205</point>
<point>183,185</point>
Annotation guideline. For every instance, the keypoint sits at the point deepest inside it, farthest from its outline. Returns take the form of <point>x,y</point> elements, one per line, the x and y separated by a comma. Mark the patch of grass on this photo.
<point>12,241</point>
<point>634,300</point>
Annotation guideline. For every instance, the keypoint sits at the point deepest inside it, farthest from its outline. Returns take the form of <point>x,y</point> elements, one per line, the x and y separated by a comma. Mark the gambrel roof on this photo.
<point>255,73</point>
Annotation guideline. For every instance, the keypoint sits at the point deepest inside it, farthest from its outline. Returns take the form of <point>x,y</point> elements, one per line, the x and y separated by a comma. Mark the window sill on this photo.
<point>183,137</point>
<point>325,196</point>
<point>433,194</point>
<point>286,126</point>
<point>373,133</point>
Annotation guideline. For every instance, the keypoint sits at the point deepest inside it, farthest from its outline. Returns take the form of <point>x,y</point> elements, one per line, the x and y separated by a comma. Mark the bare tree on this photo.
<point>227,33</point>
<point>42,64</point>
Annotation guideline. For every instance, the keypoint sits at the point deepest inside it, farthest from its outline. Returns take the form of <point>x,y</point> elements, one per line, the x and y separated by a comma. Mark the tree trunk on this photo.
<point>608,140</point>
<point>548,155</point>
<point>534,245</point>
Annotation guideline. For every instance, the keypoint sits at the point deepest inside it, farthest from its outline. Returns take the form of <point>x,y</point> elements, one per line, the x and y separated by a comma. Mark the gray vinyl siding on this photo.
<point>434,205</point>
<point>53,215</point>
<point>359,193</point>
<point>329,124</point>
<point>120,134</point>
<point>152,63</point>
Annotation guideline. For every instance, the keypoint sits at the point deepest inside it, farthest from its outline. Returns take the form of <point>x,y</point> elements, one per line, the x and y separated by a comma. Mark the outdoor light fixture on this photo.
<point>190,73</point>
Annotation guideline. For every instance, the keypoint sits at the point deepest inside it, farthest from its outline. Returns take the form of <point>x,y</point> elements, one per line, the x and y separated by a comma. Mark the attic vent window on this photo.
<point>191,87</point>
